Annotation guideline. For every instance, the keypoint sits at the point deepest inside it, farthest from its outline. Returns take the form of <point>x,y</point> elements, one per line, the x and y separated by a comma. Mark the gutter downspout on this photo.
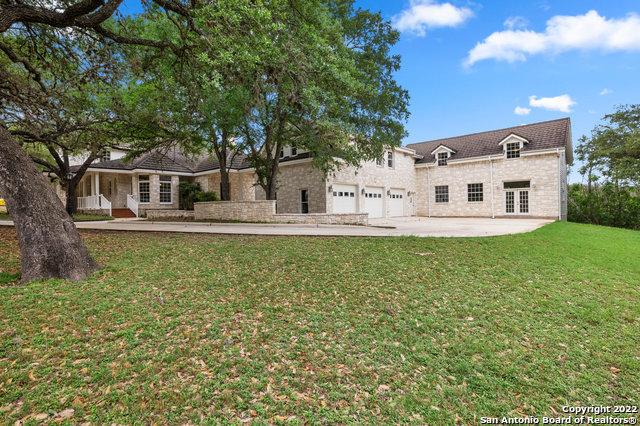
<point>493,213</point>
<point>428,194</point>
<point>559,185</point>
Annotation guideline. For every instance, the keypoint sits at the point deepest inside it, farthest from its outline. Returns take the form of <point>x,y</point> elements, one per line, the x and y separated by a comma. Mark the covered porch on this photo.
<point>108,193</point>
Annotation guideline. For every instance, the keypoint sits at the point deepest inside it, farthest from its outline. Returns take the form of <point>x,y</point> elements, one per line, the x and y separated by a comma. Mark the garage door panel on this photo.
<point>345,199</point>
<point>396,202</point>
<point>374,201</point>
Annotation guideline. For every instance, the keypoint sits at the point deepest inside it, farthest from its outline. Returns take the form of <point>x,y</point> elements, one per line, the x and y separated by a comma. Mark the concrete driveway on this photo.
<point>459,227</point>
<point>404,226</point>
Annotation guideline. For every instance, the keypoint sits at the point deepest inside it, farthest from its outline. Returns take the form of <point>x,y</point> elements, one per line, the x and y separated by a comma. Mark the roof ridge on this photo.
<point>489,131</point>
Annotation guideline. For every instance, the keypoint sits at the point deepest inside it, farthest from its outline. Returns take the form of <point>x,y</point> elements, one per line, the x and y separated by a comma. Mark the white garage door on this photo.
<point>373,201</point>
<point>396,202</point>
<point>344,199</point>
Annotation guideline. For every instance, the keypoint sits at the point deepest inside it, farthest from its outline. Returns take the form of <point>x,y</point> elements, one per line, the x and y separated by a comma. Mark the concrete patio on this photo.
<point>403,226</point>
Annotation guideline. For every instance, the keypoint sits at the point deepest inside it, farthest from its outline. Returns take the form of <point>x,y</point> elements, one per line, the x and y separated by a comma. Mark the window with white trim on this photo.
<point>442,194</point>
<point>442,158</point>
<point>281,152</point>
<point>165,189</point>
<point>105,155</point>
<point>144,189</point>
<point>513,150</point>
<point>294,151</point>
<point>380,161</point>
<point>390,159</point>
<point>475,192</point>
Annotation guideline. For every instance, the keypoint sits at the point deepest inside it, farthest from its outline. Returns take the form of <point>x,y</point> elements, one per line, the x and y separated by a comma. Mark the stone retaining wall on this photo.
<point>170,214</point>
<point>324,218</point>
<point>241,211</point>
<point>265,211</point>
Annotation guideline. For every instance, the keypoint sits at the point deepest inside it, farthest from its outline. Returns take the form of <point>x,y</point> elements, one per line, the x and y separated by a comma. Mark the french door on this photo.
<point>517,201</point>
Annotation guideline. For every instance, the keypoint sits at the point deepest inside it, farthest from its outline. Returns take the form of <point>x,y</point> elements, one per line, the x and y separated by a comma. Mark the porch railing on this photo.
<point>132,204</point>
<point>94,202</point>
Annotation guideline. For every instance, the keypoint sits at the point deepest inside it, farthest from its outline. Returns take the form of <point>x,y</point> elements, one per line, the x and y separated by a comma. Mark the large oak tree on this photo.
<point>50,245</point>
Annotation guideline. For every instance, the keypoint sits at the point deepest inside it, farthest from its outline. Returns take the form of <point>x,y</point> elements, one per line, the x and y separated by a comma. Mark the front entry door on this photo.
<point>517,201</point>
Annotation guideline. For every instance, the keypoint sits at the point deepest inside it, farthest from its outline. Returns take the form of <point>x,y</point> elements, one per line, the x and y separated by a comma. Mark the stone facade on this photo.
<point>401,176</point>
<point>292,178</point>
<point>154,193</point>
<point>241,184</point>
<point>546,172</point>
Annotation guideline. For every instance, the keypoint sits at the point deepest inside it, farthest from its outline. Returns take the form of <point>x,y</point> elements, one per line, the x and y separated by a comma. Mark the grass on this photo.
<point>202,328</point>
<point>78,217</point>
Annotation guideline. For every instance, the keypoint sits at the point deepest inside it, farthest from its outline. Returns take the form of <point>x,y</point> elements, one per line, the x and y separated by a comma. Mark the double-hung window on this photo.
<point>475,192</point>
<point>165,189</point>
<point>294,151</point>
<point>442,194</point>
<point>144,188</point>
<point>513,150</point>
<point>390,159</point>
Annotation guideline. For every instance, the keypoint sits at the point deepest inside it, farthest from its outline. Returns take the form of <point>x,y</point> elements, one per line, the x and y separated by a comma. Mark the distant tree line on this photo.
<point>610,194</point>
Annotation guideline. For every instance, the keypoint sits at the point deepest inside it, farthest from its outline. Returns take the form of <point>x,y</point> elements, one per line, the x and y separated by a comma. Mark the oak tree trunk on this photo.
<point>50,245</point>
<point>72,200</point>
<point>225,186</point>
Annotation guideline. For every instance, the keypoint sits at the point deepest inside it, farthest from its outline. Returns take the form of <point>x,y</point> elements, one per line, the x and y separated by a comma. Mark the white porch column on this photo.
<point>96,185</point>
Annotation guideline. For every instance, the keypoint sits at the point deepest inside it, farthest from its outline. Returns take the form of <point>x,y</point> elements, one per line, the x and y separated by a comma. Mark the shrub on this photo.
<point>188,192</point>
<point>206,196</point>
<point>608,205</point>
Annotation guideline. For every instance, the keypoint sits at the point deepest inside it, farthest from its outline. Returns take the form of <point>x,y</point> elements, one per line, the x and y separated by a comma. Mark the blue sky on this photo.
<point>578,57</point>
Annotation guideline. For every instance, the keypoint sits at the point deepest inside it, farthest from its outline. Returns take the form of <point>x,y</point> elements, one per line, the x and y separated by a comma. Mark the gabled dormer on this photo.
<point>512,145</point>
<point>442,154</point>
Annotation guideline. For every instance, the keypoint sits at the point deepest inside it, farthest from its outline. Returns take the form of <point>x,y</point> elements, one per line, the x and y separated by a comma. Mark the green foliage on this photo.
<point>191,192</point>
<point>188,191</point>
<point>205,329</point>
<point>612,152</point>
<point>604,205</point>
<point>206,196</point>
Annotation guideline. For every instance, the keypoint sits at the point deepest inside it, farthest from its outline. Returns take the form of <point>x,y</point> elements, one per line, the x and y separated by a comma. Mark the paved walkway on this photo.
<point>416,226</point>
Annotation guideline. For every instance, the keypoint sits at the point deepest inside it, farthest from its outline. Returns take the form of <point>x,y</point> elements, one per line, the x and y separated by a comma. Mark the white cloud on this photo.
<point>424,14</point>
<point>521,110</point>
<point>605,92</point>
<point>582,32</point>
<point>562,103</point>
<point>515,23</point>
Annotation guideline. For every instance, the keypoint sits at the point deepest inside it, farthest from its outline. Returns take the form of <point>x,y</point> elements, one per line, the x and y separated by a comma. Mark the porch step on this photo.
<point>122,213</point>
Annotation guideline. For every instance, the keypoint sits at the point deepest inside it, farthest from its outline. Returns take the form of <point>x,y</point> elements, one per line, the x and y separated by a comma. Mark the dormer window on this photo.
<point>512,145</point>
<point>442,158</point>
<point>513,150</point>
<point>442,154</point>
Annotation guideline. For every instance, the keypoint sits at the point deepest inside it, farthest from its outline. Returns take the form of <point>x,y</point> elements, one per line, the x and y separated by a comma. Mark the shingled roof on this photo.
<point>542,135</point>
<point>175,160</point>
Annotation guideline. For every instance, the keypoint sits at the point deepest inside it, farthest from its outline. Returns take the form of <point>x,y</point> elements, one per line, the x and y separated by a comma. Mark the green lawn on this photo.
<point>191,328</point>
<point>78,217</point>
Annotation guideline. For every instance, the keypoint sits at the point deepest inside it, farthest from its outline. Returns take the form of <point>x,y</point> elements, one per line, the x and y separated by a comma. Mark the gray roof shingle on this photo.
<point>542,135</point>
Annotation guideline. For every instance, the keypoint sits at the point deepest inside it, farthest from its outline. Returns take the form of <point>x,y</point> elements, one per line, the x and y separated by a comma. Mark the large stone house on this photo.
<point>517,171</point>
